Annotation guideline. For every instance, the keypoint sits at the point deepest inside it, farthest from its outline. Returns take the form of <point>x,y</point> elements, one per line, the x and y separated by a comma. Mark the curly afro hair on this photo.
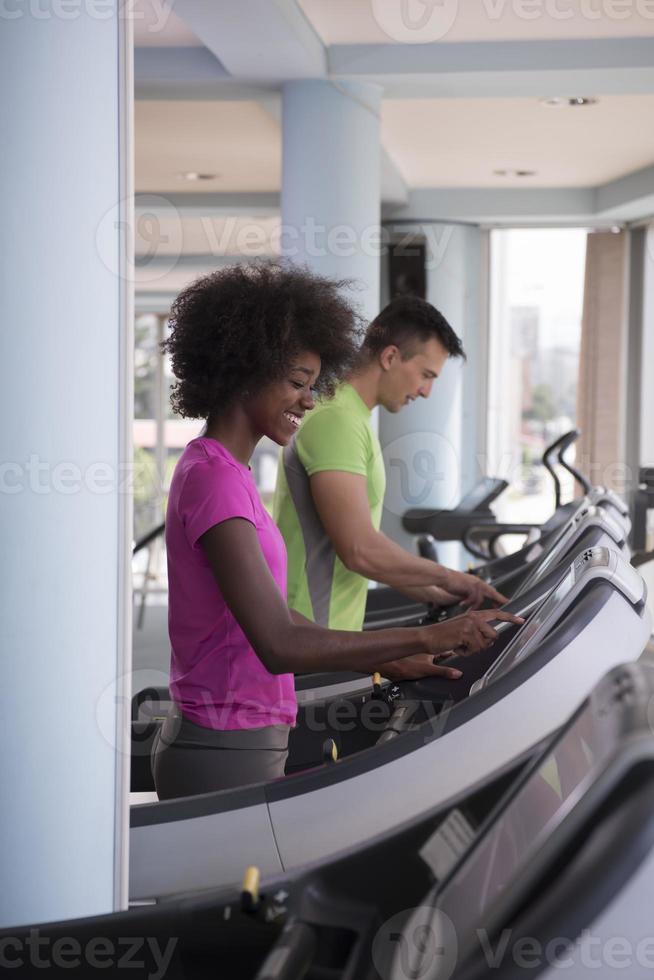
<point>238,329</point>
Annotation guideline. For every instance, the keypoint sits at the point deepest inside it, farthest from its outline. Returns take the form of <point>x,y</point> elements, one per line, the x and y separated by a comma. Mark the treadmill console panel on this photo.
<point>551,801</point>
<point>602,495</point>
<point>591,564</point>
<point>482,495</point>
<point>586,516</point>
<point>591,558</point>
<point>610,565</point>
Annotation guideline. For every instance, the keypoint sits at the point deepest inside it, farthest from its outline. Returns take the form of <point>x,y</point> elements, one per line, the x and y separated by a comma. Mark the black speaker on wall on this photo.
<point>406,268</point>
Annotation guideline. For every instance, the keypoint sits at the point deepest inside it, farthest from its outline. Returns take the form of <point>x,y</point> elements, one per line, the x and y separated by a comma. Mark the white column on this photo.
<point>647,379</point>
<point>331,183</point>
<point>65,349</point>
<point>429,446</point>
<point>646,448</point>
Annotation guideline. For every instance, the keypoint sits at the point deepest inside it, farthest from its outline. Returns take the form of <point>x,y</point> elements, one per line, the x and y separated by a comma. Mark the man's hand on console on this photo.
<point>431,595</point>
<point>472,591</point>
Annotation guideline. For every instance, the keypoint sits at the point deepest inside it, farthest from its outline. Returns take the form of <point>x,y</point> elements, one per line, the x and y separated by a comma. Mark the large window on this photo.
<point>537,284</point>
<point>159,437</point>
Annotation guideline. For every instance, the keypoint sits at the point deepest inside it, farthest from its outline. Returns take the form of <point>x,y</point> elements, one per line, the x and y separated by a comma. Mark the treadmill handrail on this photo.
<point>491,534</point>
<point>583,481</point>
<point>148,538</point>
<point>557,448</point>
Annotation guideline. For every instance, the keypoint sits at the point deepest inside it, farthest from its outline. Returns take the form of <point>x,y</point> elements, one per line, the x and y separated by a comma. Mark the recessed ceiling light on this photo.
<point>194,175</point>
<point>514,173</point>
<point>574,102</point>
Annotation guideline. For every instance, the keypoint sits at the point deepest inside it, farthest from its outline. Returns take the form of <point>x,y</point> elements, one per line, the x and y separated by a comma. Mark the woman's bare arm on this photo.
<point>287,646</point>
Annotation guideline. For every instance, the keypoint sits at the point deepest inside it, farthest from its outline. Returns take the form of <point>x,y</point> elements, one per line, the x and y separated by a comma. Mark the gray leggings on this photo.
<point>188,759</point>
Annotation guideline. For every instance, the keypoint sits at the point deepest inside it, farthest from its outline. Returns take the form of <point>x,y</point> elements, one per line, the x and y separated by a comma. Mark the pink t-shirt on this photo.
<point>216,677</point>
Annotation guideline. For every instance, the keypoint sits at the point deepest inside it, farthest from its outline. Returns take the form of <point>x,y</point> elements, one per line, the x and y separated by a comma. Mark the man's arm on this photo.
<point>341,500</point>
<point>285,644</point>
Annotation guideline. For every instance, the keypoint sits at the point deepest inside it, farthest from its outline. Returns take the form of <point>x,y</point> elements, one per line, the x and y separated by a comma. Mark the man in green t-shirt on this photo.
<point>331,481</point>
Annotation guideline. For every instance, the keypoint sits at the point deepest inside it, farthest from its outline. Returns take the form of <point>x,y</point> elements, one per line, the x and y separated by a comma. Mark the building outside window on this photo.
<point>537,286</point>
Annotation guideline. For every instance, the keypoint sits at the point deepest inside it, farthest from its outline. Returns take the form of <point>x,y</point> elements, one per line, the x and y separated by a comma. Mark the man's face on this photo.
<point>403,381</point>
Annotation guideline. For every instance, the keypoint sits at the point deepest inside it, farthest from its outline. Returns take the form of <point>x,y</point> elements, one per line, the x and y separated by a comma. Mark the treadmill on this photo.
<point>591,525</point>
<point>539,865</point>
<point>593,618</point>
<point>598,496</point>
<point>232,933</point>
<point>559,879</point>
<point>475,525</point>
<point>387,607</point>
<point>593,522</point>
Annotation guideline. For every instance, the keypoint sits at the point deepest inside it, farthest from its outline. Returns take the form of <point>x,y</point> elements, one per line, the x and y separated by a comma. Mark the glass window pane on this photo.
<point>145,365</point>
<point>537,284</point>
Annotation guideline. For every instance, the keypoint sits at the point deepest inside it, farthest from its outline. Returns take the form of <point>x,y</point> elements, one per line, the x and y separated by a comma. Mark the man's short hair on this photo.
<point>407,320</point>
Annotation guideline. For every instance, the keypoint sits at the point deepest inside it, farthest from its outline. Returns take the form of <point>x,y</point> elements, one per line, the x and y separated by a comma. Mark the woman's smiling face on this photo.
<point>278,409</point>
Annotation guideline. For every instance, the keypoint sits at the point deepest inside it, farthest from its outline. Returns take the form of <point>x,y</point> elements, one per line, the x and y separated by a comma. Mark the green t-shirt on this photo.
<point>336,435</point>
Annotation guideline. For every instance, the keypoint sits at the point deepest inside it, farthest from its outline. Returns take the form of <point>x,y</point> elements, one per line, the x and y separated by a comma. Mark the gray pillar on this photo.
<point>430,446</point>
<point>331,183</point>
<point>647,378</point>
<point>65,350</point>
<point>645,448</point>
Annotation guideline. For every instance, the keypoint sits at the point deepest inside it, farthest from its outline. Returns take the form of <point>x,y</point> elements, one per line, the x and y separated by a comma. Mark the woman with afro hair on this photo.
<point>251,348</point>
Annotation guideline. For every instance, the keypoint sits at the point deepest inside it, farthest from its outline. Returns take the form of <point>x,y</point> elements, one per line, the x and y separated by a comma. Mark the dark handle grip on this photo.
<point>148,538</point>
<point>148,694</point>
<point>291,956</point>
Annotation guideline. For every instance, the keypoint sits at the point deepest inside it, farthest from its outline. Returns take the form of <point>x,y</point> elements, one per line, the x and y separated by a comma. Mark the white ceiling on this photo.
<point>435,134</point>
<point>252,236</point>
<point>433,142</point>
<point>459,142</point>
<point>157,26</point>
<point>381,22</point>
<point>239,141</point>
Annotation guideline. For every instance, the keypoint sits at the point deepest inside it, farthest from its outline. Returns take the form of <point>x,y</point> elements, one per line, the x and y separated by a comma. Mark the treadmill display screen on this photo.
<point>489,873</point>
<point>553,553</point>
<point>516,651</point>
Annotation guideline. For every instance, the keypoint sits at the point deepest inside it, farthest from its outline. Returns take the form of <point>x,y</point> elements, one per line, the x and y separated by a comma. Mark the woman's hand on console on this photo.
<point>417,666</point>
<point>467,634</point>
